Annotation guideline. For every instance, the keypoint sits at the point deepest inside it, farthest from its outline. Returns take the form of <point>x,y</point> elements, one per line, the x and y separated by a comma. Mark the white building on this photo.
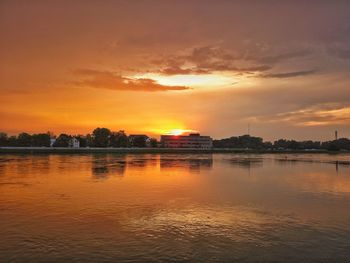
<point>194,140</point>
<point>74,143</point>
<point>52,141</point>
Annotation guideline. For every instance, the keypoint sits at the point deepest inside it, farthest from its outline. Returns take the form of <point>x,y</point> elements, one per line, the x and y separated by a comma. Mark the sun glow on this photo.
<point>171,131</point>
<point>193,80</point>
<point>179,132</point>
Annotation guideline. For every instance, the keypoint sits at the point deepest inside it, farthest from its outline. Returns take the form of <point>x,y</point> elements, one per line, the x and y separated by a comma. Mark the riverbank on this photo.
<point>33,150</point>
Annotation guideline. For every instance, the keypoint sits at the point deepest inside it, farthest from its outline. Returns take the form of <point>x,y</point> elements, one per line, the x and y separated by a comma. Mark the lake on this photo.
<point>174,208</point>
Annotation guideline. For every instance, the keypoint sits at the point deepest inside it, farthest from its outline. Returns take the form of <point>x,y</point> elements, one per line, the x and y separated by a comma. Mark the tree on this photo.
<point>336,145</point>
<point>89,140</point>
<point>333,147</point>
<point>139,141</point>
<point>268,145</point>
<point>41,140</point>
<point>24,139</point>
<point>153,143</point>
<point>343,143</point>
<point>101,137</point>
<point>309,144</point>
<point>62,141</point>
<point>12,141</point>
<point>83,142</point>
<point>281,144</point>
<point>244,141</point>
<point>3,139</point>
<point>293,145</point>
<point>118,139</point>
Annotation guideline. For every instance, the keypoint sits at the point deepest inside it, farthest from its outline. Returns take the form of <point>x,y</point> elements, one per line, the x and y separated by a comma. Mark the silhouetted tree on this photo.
<point>24,140</point>
<point>333,147</point>
<point>12,141</point>
<point>280,144</point>
<point>268,145</point>
<point>3,139</point>
<point>336,145</point>
<point>118,139</point>
<point>153,142</point>
<point>294,145</point>
<point>62,141</point>
<point>101,137</point>
<point>244,141</point>
<point>89,140</point>
<point>139,141</point>
<point>41,140</point>
<point>343,143</point>
<point>82,140</point>
<point>309,145</point>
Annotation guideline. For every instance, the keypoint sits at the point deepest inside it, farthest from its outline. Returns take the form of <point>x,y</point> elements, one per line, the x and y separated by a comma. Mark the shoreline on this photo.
<point>34,150</point>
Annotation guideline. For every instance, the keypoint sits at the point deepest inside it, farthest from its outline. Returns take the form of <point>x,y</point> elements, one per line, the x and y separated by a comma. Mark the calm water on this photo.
<point>174,208</point>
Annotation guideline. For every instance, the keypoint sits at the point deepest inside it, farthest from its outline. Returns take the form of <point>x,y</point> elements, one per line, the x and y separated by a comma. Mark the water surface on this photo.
<point>174,208</point>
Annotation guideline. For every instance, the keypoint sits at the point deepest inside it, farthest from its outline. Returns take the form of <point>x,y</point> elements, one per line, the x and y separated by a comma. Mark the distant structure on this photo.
<point>193,140</point>
<point>74,143</point>
<point>52,141</point>
<point>336,135</point>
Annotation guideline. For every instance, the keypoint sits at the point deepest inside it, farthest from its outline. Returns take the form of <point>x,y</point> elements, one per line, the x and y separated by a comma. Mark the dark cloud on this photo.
<point>208,59</point>
<point>290,74</point>
<point>323,114</point>
<point>209,56</point>
<point>181,71</point>
<point>109,80</point>
<point>254,68</point>
<point>285,56</point>
<point>339,52</point>
<point>205,60</point>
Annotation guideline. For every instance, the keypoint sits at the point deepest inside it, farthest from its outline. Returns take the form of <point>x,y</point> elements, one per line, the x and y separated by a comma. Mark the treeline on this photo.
<point>25,140</point>
<point>100,137</point>
<point>252,142</point>
<point>103,137</point>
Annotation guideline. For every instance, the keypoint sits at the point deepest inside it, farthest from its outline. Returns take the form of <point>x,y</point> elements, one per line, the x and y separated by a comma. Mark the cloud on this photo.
<point>210,56</point>
<point>312,116</point>
<point>285,56</point>
<point>339,52</point>
<point>109,80</point>
<point>205,60</point>
<point>174,67</point>
<point>290,74</point>
<point>254,68</point>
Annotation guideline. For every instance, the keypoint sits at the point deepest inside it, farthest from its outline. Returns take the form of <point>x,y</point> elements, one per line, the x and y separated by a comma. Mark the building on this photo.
<point>74,143</point>
<point>193,140</point>
<point>52,141</point>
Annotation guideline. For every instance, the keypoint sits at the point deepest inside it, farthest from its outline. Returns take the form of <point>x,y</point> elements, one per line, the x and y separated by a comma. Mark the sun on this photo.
<point>178,132</point>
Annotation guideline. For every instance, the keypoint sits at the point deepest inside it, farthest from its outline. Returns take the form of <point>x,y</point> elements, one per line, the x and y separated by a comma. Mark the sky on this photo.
<point>281,67</point>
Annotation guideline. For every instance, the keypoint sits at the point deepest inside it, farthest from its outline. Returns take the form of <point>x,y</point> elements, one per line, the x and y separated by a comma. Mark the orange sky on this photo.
<point>153,66</point>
